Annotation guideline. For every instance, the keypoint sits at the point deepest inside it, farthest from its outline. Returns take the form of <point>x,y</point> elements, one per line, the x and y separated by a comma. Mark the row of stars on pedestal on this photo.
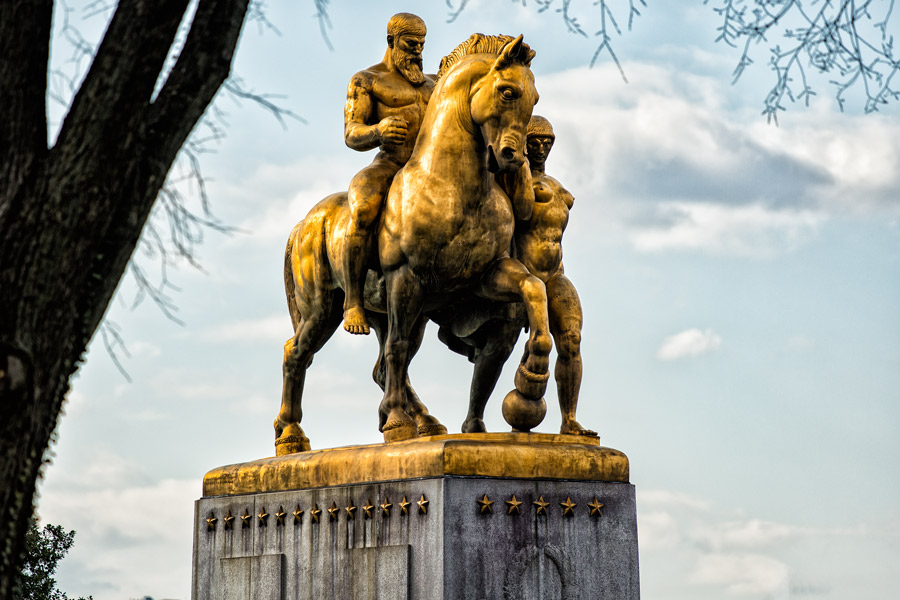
<point>514,506</point>
<point>369,510</point>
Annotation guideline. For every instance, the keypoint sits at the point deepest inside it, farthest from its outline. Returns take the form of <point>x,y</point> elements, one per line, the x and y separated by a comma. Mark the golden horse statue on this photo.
<point>444,234</point>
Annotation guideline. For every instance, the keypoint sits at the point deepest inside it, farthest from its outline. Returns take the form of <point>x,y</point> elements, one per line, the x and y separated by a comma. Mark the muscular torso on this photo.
<point>539,241</point>
<point>376,93</point>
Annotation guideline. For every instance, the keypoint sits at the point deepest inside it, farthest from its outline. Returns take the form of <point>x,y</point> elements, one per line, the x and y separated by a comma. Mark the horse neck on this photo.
<point>448,135</point>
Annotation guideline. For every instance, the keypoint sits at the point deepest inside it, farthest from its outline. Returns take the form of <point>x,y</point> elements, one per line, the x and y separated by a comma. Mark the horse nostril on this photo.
<point>508,153</point>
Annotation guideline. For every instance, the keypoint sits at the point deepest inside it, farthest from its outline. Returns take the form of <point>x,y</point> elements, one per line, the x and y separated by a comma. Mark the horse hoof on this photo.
<point>291,440</point>
<point>523,413</point>
<point>428,425</point>
<point>531,385</point>
<point>474,425</point>
<point>398,427</point>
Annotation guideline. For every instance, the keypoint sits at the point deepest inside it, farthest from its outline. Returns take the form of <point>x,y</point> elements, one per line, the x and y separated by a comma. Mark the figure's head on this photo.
<point>406,38</point>
<point>540,140</point>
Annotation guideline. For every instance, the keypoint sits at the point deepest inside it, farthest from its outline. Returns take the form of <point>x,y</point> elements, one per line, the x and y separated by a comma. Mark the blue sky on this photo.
<point>740,284</point>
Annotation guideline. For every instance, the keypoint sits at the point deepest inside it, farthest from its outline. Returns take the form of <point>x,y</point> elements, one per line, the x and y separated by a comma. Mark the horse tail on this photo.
<point>289,283</point>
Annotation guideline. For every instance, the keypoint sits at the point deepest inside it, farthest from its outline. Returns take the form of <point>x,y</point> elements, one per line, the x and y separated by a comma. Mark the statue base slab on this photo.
<point>467,517</point>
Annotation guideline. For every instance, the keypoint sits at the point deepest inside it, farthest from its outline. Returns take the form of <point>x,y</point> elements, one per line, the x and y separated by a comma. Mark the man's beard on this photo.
<point>410,66</point>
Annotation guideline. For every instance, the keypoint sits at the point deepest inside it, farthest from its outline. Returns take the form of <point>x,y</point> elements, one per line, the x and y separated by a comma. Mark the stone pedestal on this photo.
<point>467,517</point>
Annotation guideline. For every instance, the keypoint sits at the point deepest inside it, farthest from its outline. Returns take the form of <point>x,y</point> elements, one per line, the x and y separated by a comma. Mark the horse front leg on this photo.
<point>508,279</point>
<point>404,304</point>
<point>426,424</point>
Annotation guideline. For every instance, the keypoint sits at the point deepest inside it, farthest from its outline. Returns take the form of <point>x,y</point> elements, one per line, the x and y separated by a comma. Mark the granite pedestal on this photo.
<point>467,517</point>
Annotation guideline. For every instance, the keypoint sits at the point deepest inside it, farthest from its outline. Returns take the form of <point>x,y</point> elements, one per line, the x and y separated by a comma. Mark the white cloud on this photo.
<point>120,532</point>
<point>688,343</point>
<point>744,574</point>
<point>750,231</point>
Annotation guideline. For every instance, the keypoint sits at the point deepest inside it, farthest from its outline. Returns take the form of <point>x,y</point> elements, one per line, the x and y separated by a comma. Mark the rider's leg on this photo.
<point>565,325</point>
<point>365,198</point>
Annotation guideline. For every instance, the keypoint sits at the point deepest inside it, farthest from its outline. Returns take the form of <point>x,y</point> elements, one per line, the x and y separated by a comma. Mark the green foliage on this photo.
<point>43,551</point>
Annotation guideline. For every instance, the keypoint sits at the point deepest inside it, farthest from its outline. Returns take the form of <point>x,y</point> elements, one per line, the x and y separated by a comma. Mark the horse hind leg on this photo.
<point>311,335</point>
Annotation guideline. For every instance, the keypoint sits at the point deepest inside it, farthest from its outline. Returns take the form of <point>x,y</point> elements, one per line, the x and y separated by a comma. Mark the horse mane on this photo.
<point>479,43</point>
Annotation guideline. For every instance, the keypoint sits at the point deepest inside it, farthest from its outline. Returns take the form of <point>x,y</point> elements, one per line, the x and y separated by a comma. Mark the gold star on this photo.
<point>386,508</point>
<point>211,522</point>
<point>351,511</point>
<point>423,505</point>
<point>245,519</point>
<point>333,512</point>
<point>298,515</point>
<point>568,507</point>
<point>367,509</point>
<point>315,512</point>
<point>263,515</point>
<point>404,506</point>
<point>485,505</point>
<point>541,506</point>
<point>229,520</point>
<point>279,516</point>
<point>596,505</point>
<point>513,505</point>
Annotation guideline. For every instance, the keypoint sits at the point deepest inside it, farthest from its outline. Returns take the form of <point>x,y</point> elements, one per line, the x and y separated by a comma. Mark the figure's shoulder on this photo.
<point>367,77</point>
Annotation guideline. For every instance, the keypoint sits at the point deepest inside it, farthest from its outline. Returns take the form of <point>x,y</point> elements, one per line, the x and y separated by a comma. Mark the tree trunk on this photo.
<point>71,215</point>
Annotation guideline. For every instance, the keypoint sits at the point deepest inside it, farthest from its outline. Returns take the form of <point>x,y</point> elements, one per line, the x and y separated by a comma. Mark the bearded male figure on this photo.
<point>384,109</point>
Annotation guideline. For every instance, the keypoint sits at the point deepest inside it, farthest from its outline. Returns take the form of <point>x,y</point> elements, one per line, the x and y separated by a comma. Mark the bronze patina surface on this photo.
<point>502,455</point>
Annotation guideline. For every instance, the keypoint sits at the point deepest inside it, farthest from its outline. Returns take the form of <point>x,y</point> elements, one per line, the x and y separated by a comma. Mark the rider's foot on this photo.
<point>573,427</point>
<point>355,321</point>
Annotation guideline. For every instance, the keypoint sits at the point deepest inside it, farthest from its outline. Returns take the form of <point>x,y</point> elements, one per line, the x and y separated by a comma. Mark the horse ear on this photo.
<point>508,54</point>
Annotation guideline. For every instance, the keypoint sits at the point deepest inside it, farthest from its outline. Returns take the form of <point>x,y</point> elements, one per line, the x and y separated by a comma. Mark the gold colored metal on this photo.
<point>508,455</point>
<point>229,520</point>
<point>245,519</point>
<point>541,506</point>
<point>367,509</point>
<point>279,516</point>
<point>386,508</point>
<point>485,504</point>
<point>434,213</point>
<point>423,505</point>
<point>351,511</point>
<point>211,522</point>
<point>404,506</point>
<point>314,513</point>
<point>333,512</point>
<point>596,505</point>
<point>568,507</point>
<point>298,515</point>
<point>513,505</point>
<point>263,517</point>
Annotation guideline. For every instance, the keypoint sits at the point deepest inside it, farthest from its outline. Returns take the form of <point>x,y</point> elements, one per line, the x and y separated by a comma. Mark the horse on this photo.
<point>444,232</point>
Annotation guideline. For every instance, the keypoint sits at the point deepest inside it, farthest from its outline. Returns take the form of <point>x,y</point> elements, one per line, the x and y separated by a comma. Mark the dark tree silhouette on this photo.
<point>72,213</point>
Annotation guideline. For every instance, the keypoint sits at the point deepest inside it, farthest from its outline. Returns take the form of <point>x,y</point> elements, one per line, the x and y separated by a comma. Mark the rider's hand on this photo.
<point>392,130</point>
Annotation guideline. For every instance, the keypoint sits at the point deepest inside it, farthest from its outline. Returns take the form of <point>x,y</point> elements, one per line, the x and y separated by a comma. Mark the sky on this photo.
<point>740,284</point>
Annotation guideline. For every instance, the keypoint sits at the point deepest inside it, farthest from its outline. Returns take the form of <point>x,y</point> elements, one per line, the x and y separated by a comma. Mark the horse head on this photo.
<point>501,103</point>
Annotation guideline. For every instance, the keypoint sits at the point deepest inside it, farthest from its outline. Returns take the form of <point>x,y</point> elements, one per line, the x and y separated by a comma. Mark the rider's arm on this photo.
<point>357,112</point>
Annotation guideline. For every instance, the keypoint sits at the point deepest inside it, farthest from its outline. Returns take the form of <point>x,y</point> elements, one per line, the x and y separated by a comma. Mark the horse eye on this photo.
<point>508,93</point>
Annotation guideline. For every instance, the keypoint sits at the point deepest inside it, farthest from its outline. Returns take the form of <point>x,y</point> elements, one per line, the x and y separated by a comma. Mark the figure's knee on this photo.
<point>568,344</point>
